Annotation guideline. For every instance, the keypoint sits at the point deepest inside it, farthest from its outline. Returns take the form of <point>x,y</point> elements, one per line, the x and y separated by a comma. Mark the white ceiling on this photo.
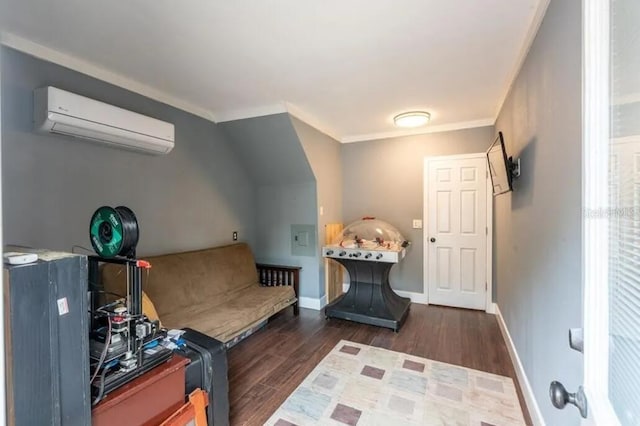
<point>344,66</point>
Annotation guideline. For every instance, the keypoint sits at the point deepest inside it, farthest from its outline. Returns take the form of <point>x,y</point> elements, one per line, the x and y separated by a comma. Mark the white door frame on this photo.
<point>489,306</point>
<point>595,232</point>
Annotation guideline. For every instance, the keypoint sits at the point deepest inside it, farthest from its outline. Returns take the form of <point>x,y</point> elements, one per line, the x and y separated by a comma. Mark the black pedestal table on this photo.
<point>370,299</point>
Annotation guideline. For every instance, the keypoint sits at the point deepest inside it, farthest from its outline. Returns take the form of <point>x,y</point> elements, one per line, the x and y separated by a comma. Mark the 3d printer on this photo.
<point>123,342</point>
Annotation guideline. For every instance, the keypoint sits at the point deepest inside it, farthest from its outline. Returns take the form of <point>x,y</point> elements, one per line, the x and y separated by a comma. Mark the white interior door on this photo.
<point>456,231</point>
<point>612,211</point>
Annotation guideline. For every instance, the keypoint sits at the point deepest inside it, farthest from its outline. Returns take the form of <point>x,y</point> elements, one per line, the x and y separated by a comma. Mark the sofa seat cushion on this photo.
<point>248,307</point>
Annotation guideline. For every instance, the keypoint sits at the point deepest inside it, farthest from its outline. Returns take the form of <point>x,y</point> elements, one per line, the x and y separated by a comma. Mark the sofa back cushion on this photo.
<point>184,279</point>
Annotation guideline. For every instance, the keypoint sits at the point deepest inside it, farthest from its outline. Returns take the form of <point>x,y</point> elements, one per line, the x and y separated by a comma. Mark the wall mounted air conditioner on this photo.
<point>65,113</point>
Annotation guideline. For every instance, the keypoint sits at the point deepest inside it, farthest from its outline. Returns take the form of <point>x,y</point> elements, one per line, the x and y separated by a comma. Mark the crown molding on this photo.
<point>421,131</point>
<point>252,112</point>
<point>277,108</point>
<point>312,121</point>
<point>88,68</point>
<point>91,69</point>
<point>534,26</point>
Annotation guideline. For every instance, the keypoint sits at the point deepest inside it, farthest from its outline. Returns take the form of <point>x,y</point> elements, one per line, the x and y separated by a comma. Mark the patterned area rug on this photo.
<point>363,385</point>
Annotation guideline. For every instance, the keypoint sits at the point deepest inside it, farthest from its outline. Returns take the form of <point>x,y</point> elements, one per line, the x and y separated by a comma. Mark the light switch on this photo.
<point>417,223</point>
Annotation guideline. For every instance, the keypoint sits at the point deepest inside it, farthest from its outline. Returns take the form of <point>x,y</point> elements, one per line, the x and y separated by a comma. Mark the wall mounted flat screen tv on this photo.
<point>499,167</point>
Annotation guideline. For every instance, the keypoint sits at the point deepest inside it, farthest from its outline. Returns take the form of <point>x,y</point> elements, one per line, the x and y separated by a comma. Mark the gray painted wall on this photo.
<point>194,197</point>
<point>324,155</point>
<point>384,178</point>
<point>285,190</point>
<point>279,207</point>
<point>537,247</point>
<point>270,149</point>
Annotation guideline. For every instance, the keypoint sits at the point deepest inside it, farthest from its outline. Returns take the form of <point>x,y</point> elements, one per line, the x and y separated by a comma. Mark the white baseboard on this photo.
<point>312,302</point>
<point>525,386</point>
<point>420,298</point>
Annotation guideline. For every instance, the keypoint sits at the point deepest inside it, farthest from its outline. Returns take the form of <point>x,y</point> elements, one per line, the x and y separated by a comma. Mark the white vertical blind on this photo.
<point>624,190</point>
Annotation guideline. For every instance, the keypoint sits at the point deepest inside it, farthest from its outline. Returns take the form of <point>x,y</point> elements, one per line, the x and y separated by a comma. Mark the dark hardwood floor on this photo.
<point>265,368</point>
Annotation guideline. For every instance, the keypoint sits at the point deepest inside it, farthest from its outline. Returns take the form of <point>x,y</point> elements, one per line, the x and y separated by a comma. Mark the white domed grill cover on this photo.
<point>369,239</point>
<point>371,234</point>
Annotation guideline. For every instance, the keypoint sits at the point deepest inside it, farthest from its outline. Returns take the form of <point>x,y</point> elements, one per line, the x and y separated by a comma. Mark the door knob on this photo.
<point>433,240</point>
<point>560,397</point>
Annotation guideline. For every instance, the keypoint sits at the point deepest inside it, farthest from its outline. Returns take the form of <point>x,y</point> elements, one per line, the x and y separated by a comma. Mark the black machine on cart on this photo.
<point>123,342</point>
<point>368,249</point>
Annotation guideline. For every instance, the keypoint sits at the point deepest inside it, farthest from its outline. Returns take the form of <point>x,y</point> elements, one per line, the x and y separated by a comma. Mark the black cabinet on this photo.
<point>46,339</point>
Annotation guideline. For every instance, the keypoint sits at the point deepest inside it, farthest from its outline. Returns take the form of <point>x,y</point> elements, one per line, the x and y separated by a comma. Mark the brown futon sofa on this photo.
<point>219,291</point>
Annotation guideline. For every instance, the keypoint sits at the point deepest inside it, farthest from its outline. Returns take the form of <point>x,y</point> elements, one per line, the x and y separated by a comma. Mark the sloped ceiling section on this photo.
<point>270,149</point>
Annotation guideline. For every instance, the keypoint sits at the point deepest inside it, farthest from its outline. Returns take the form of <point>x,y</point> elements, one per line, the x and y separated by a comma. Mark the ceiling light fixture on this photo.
<point>412,119</point>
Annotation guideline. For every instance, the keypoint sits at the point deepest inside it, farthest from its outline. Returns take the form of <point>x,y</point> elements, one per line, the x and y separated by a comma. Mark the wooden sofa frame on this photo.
<point>279,275</point>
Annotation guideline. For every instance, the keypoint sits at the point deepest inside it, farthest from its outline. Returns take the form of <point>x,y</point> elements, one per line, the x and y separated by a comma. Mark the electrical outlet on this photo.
<point>235,235</point>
